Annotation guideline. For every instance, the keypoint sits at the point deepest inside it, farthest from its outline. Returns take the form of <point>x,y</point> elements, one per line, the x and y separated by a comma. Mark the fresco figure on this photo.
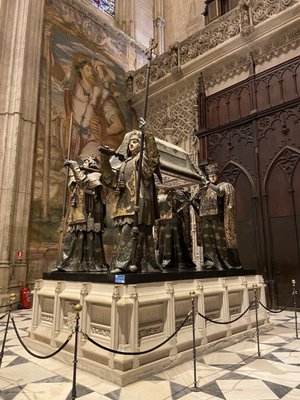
<point>216,208</point>
<point>174,230</point>
<point>90,93</point>
<point>123,180</point>
<point>83,246</point>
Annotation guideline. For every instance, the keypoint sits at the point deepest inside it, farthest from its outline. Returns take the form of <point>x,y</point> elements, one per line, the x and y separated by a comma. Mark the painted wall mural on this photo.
<point>82,86</point>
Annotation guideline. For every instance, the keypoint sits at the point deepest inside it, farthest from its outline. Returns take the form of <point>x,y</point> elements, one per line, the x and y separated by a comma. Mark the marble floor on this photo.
<point>235,373</point>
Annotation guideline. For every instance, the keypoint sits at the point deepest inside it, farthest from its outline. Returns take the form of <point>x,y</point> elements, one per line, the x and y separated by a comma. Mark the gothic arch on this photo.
<point>231,172</point>
<point>287,160</point>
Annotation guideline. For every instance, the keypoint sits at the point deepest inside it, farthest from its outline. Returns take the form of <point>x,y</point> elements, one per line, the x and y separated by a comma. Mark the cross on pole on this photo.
<point>150,51</point>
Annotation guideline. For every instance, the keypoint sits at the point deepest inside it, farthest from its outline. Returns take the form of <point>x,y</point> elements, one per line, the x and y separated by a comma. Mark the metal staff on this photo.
<point>65,191</point>
<point>135,230</point>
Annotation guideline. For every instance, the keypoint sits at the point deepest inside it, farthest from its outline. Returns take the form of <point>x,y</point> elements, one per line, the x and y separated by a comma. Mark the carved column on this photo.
<point>124,15</point>
<point>225,312</point>
<point>159,34</point>
<point>36,306</point>
<point>115,322</point>
<point>20,49</point>
<point>159,25</point>
<point>246,302</point>
<point>171,317</point>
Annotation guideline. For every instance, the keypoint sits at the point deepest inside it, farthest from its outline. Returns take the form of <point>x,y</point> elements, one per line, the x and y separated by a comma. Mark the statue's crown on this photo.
<point>212,168</point>
<point>135,134</point>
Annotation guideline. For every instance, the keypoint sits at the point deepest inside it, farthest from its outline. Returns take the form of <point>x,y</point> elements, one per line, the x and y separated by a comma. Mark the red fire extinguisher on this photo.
<point>24,297</point>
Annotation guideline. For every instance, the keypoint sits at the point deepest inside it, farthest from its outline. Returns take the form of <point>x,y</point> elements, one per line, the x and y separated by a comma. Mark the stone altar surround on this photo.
<point>137,317</point>
<point>20,50</point>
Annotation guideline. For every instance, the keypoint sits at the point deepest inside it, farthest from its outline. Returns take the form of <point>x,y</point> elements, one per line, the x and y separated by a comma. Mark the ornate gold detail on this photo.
<point>150,331</point>
<point>170,288</point>
<point>133,292</point>
<point>116,293</point>
<point>47,318</point>
<point>84,289</point>
<point>59,287</point>
<point>100,331</point>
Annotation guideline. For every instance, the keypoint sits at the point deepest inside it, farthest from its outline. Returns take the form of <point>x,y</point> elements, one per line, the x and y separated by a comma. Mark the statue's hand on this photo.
<point>204,180</point>
<point>70,163</point>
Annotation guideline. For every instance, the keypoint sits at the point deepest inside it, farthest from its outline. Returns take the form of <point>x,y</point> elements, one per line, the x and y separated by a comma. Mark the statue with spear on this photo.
<point>136,205</point>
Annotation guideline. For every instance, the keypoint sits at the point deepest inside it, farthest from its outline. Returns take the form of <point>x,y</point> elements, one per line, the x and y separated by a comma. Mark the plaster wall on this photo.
<point>183,18</point>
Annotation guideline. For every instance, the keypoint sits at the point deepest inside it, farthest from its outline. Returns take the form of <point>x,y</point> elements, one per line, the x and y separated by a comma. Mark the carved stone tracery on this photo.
<point>174,114</point>
<point>239,21</point>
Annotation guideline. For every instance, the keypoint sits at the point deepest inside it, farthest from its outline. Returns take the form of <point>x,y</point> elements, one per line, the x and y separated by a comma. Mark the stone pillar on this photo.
<point>21,24</point>
<point>124,16</point>
<point>159,26</point>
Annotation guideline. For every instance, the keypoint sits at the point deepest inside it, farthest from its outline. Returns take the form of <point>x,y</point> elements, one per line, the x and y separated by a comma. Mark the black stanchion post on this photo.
<point>12,299</point>
<point>295,306</point>
<point>77,308</point>
<point>256,319</point>
<point>195,388</point>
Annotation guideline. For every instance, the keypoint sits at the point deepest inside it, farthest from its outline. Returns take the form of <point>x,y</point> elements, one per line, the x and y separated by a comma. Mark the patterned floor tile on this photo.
<point>246,390</point>
<point>271,371</point>
<point>234,373</point>
<point>279,390</point>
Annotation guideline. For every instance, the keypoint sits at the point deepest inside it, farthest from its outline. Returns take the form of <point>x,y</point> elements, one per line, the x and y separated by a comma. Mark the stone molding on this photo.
<point>237,24</point>
<point>88,10</point>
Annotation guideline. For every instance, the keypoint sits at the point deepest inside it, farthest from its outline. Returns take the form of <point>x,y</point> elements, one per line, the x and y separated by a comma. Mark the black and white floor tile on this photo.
<point>234,373</point>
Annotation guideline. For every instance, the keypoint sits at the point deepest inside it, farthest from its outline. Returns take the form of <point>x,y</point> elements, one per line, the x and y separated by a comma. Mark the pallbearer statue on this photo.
<point>83,247</point>
<point>173,230</point>
<point>216,208</point>
<point>124,181</point>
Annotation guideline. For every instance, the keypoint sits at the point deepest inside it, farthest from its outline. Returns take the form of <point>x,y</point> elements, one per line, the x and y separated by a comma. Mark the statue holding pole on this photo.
<point>136,207</point>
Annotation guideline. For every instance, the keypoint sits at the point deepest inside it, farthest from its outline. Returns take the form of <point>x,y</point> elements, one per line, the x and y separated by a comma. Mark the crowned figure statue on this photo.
<point>216,209</point>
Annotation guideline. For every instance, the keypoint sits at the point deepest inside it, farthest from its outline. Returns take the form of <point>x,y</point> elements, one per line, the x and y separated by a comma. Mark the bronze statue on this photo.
<point>215,205</point>
<point>124,181</point>
<point>174,230</point>
<point>83,247</point>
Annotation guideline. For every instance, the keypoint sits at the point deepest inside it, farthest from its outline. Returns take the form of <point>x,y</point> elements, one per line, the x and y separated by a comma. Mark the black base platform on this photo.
<point>132,278</point>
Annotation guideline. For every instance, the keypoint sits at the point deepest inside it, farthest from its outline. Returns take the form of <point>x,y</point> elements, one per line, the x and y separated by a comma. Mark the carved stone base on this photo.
<point>140,316</point>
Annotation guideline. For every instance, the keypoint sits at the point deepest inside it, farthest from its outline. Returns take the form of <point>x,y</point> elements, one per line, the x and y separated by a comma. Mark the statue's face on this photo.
<point>134,146</point>
<point>85,164</point>
<point>213,178</point>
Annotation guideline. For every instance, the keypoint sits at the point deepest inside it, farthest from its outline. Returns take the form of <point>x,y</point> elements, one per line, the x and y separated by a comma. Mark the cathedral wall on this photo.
<point>143,17</point>
<point>183,19</point>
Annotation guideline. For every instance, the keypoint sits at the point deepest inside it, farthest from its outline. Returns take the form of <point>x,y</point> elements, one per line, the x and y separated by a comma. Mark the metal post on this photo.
<point>195,388</point>
<point>12,298</point>
<point>295,306</point>
<point>256,319</point>
<point>77,308</point>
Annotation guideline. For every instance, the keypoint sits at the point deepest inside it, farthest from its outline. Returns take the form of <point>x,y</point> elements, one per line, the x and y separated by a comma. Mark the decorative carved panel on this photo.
<point>241,20</point>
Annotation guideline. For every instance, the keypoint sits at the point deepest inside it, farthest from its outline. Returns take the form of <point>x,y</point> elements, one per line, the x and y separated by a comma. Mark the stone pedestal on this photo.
<point>134,317</point>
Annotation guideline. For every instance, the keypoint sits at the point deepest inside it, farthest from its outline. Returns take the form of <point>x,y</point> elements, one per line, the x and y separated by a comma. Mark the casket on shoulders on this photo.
<point>176,167</point>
